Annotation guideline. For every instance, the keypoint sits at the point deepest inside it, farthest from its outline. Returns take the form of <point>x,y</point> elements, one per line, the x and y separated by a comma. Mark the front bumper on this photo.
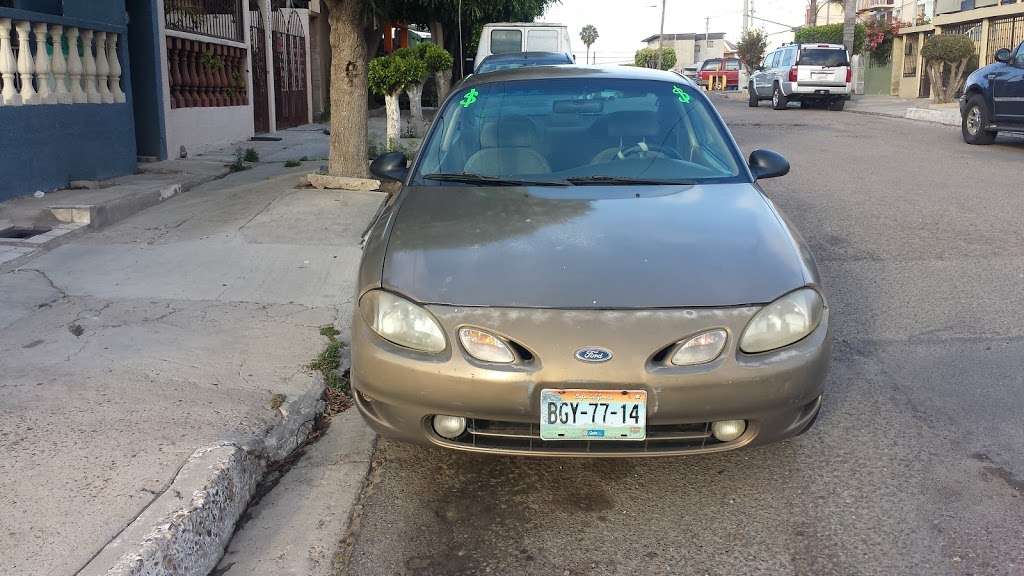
<point>778,393</point>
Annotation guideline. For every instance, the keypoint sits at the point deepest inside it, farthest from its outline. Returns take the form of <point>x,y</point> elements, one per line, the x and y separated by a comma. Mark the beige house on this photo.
<point>692,48</point>
<point>992,24</point>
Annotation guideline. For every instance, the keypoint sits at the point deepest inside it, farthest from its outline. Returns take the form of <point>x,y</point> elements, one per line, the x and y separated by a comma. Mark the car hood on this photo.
<point>591,247</point>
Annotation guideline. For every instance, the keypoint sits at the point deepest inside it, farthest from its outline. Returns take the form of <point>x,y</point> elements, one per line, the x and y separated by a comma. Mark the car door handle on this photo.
<point>990,76</point>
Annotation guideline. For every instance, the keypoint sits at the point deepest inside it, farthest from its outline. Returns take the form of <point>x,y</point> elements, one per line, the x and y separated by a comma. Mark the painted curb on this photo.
<point>184,531</point>
<point>949,117</point>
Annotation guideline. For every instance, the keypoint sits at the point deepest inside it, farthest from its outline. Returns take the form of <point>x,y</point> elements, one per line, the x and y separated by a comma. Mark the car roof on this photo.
<point>512,56</point>
<point>571,71</point>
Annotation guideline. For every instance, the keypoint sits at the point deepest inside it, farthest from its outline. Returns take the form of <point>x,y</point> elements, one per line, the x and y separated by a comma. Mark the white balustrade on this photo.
<point>25,65</point>
<point>115,68</point>
<point>78,95</point>
<point>89,69</point>
<point>59,66</point>
<point>91,72</point>
<point>46,95</point>
<point>8,66</point>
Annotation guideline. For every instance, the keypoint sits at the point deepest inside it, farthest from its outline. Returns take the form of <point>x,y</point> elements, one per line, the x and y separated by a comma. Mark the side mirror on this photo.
<point>767,164</point>
<point>1003,55</point>
<point>390,166</point>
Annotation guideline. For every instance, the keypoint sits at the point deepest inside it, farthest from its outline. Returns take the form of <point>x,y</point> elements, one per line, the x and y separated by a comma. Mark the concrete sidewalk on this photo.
<point>139,360</point>
<point>913,109</point>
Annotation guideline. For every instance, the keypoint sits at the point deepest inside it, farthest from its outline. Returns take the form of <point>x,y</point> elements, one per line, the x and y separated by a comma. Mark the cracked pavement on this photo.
<point>123,351</point>
<point>916,465</point>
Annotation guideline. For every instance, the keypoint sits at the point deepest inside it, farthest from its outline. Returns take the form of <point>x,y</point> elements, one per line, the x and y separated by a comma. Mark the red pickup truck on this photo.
<point>717,67</point>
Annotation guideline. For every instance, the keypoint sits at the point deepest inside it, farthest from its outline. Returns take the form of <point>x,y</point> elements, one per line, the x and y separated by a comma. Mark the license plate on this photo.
<point>593,414</point>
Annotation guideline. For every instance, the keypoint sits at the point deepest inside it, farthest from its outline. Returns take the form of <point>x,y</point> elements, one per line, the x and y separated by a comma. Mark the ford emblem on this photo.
<point>593,354</point>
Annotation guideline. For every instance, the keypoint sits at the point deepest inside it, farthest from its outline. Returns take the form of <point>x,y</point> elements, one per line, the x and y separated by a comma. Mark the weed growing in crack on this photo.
<point>251,155</point>
<point>328,364</point>
<point>292,163</point>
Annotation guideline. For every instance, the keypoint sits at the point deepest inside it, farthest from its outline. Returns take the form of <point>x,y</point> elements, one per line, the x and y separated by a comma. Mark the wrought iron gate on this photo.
<point>289,70</point>
<point>260,90</point>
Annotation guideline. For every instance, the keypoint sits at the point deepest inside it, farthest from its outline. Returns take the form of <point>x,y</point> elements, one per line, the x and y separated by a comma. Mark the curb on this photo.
<point>926,115</point>
<point>184,531</point>
<point>79,219</point>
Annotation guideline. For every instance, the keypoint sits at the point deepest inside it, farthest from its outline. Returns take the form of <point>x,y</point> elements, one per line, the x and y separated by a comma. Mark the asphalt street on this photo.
<point>916,465</point>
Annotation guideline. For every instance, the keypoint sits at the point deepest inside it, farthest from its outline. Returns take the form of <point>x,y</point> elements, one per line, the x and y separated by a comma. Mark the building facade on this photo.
<point>693,48</point>
<point>65,93</point>
<point>88,87</point>
<point>991,24</point>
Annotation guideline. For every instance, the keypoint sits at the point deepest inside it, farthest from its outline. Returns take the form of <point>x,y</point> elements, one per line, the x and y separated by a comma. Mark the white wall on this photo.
<point>203,129</point>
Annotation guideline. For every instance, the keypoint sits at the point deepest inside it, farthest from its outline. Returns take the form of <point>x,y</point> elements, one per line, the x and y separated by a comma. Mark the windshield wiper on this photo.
<point>470,178</point>
<point>624,180</point>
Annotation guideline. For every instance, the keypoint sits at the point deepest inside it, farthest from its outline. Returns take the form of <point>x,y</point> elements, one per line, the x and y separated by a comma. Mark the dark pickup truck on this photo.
<point>993,99</point>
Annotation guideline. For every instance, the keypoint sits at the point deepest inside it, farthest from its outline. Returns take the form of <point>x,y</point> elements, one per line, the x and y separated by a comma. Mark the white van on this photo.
<point>508,37</point>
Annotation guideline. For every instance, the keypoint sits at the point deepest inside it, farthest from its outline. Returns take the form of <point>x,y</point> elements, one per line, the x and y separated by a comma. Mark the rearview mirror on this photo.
<point>767,164</point>
<point>390,166</point>
<point>1003,55</point>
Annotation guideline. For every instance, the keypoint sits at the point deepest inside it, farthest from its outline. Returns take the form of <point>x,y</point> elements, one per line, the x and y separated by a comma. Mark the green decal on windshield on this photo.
<point>469,98</point>
<point>683,96</point>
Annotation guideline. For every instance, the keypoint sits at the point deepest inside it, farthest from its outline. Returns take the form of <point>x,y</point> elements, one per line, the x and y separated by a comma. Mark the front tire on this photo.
<point>779,100</point>
<point>974,120</point>
<point>751,96</point>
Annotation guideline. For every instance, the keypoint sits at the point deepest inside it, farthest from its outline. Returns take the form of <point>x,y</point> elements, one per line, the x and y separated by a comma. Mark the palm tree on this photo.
<point>589,35</point>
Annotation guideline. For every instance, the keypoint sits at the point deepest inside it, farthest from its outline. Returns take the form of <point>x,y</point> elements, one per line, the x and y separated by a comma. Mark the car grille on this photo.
<point>499,436</point>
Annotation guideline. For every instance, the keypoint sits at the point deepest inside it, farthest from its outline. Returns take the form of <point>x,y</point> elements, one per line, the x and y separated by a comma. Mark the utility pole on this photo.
<point>661,34</point>
<point>746,16</point>
<point>707,32</point>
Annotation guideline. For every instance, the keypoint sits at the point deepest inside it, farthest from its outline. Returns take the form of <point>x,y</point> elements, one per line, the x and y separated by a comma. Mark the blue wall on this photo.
<point>43,147</point>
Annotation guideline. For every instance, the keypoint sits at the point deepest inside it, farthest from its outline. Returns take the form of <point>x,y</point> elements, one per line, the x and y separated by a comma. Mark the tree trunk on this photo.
<point>394,120</point>
<point>416,123</point>
<point>588,54</point>
<point>443,78</point>
<point>935,80</point>
<point>348,90</point>
<point>955,80</point>
<point>849,25</point>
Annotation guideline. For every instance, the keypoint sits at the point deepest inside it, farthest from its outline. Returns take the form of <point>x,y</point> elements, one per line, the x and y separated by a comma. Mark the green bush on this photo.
<point>648,58</point>
<point>436,59</point>
<point>831,34</point>
<point>950,49</point>
<point>394,73</point>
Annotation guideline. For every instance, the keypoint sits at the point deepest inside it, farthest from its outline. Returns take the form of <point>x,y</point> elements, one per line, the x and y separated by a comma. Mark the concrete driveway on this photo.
<point>916,465</point>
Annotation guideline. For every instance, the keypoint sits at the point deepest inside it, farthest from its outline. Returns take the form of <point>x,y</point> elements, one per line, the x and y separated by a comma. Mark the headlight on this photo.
<point>402,322</point>
<point>485,346</point>
<point>783,322</point>
<point>701,349</point>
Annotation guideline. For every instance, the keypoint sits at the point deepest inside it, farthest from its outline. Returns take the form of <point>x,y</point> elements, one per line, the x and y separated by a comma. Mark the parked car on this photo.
<point>993,99</point>
<point>581,263</point>
<point>729,67</point>
<point>514,37</point>
<point>692,71</point>
<point>806,73</point>
<point>522,59</point>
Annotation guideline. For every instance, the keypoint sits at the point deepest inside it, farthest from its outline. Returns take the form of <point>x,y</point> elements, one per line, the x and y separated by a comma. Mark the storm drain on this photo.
<point>21,233</point>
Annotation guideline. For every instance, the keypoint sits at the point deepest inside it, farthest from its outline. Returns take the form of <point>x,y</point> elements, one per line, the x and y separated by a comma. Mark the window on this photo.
<point>555,129</point>
<point>541,41</point>
<point>1020,55</point>
<point>767,62</point>
<point>732,64</point>
<point>776,58</point>
<point>909,59</point>
<point>505,41</point>
<point>710,65</point>
<point>711,43</point>
<point>827,57</point>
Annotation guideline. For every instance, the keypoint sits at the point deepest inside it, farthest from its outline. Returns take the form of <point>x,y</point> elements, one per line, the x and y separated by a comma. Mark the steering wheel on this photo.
<point>642,149</point>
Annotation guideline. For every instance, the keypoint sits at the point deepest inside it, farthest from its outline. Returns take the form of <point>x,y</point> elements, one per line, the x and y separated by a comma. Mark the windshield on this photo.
<point>829,57</point>
<point>491,64</point>
<point>571,130</point>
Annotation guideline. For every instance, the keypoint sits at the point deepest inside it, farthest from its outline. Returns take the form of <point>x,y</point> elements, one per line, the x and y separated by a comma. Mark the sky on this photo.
<point>622,24</point>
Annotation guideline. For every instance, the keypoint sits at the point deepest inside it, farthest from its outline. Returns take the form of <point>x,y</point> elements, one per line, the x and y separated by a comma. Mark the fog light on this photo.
<point>724,430</point>
<point>450,427</point>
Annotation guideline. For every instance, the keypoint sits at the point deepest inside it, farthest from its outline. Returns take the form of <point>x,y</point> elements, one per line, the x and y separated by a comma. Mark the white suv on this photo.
<point>807,73</point>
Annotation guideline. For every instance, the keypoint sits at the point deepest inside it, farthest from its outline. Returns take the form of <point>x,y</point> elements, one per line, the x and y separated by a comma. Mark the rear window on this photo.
<point>822,57</point>
<point>732,65</point>
<point>542,41</point>
<point>710,65</point>
<point>505,41</point>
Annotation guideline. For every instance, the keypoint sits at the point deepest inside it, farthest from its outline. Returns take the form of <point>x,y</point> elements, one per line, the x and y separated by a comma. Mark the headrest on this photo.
<point>508,132</point>
<point>633,124</point>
